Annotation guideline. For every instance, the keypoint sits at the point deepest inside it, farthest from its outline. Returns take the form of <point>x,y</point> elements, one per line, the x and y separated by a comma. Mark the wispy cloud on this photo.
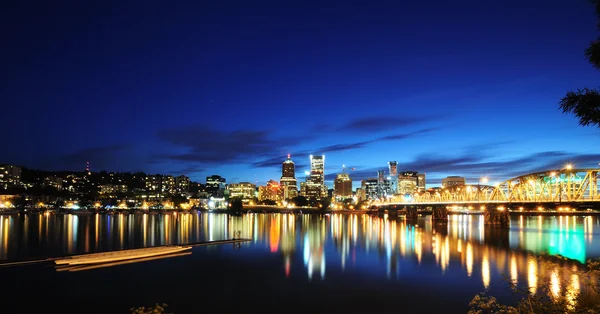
<point>211,146</point>
<point>474,166</point>
<point>276,161</point>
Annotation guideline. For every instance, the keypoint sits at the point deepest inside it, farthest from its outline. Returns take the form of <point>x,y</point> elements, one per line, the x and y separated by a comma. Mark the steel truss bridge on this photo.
<point>551,186</point>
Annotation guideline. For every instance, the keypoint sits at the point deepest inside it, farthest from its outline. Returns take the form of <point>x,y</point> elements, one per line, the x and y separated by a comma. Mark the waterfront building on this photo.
<point>342,186</point>
<point>10,175</point>
<point>272,191</point>
<point>243,190</point>
<point>182,184</point>
<point>288,181</point>
<point>216,185</point>
<point>370,188</point>
<point>452,181</point>
<point>408,182</point>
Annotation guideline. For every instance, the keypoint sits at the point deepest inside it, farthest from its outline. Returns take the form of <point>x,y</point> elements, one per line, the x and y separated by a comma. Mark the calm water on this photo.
<point>293,263</point>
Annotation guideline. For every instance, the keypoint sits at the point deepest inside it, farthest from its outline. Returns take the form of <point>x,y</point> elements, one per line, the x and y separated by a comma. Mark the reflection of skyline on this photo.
<point>310,241</point>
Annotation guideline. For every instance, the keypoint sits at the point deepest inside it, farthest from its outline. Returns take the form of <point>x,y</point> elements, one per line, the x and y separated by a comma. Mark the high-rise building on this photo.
<point>288,181</point>
<point>315,185</point>
<point>393,168</point>
<point>370,188</point>
<point>342,186</point>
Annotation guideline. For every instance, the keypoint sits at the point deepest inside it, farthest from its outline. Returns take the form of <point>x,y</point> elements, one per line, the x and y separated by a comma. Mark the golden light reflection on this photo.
<point>554,283</point>
<point>485,269</point>
<point>514,273</point>
<point>4,232</point>
<point>469,259</point>
<point>573,291</point>
<point>532,274</point>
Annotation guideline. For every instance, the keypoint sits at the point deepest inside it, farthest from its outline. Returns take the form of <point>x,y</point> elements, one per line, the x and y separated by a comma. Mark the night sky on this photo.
<point>231,87</point>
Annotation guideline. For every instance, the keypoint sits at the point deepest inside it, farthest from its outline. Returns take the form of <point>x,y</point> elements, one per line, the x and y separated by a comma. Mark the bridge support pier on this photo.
<point>440,214</point>
<point>495,217</point>
<point>411,212</point>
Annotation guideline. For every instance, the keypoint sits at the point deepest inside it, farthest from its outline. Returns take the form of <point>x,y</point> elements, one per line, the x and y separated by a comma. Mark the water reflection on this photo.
<point>337,242</point>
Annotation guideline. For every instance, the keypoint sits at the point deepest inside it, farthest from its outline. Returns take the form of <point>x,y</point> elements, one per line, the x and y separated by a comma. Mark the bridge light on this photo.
<point>553,174</point>
<point>569,166</point>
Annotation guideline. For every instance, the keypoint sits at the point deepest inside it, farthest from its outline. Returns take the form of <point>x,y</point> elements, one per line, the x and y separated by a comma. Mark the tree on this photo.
<point>585,103</point>
<point>300,201</point>
<point>236,206</point>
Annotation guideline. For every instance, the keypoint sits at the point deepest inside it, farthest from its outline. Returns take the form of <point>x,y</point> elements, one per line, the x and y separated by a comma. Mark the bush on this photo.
<point>156,309</point>
<point>586,299</point>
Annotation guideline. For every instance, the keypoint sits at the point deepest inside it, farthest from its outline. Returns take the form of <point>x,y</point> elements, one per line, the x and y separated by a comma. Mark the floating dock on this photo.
<point>123,255</point>
<point>115,256</point>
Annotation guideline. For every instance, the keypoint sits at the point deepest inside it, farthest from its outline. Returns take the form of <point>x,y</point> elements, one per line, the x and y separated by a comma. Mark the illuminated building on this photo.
<point>288,180</point>
<point>370,188</point>
<point>112,188</point>
<point>393,170</point>
<point>243,190</point>
<point>384,187</point>
<point>453,181</point>
<point>54,181</point>
<point>342,186</point>
<point>160,183</point>
<point>272,191</point>
<point>215,185</point>
<point>182,184</point>
<point>10,175</point>
<point>408,182</point>
<point>315,182</point>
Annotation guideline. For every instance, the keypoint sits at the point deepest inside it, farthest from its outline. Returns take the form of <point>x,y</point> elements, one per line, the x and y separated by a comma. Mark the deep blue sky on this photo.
<point>231,87</point>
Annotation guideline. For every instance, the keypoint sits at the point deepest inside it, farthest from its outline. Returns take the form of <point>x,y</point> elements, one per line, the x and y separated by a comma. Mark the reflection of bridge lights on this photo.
<point>485,270</point>
<point>554,283</point>
<point>532,274</point>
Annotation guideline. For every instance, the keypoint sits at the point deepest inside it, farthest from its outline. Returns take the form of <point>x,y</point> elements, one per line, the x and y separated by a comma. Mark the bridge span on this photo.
<point>560,189</point>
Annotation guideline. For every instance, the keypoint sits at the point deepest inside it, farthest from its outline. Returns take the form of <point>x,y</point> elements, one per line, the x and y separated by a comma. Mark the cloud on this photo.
<point>474,166</point>
<point>100,158</point>
<point>384,123</point>
<point>276,161</point>
<point>211,146</point>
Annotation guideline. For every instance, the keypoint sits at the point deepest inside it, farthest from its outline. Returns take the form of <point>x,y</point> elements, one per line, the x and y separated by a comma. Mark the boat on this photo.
<point>122,255</point>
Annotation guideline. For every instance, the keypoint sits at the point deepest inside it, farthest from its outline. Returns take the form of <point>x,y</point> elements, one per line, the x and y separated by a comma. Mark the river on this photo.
<point>293,263</point>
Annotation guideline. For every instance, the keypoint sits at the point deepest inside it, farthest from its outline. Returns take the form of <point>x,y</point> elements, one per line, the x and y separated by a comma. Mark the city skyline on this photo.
<point>211,91</point>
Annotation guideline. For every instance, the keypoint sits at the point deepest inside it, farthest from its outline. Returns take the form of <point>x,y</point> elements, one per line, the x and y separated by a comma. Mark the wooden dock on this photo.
<point>123,255</point>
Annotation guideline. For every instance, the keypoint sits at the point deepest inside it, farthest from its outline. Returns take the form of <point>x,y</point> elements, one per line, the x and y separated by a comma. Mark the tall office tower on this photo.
<point>393,168</point>
<point>288,181</point>
<point>381,183</point>
<point>315,185</point>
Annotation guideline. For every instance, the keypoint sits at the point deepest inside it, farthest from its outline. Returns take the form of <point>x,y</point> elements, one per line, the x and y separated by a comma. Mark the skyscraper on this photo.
<point>288,181</point>
<point>393,168</point>
<point>317,169</point>
<point>315,181</point>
